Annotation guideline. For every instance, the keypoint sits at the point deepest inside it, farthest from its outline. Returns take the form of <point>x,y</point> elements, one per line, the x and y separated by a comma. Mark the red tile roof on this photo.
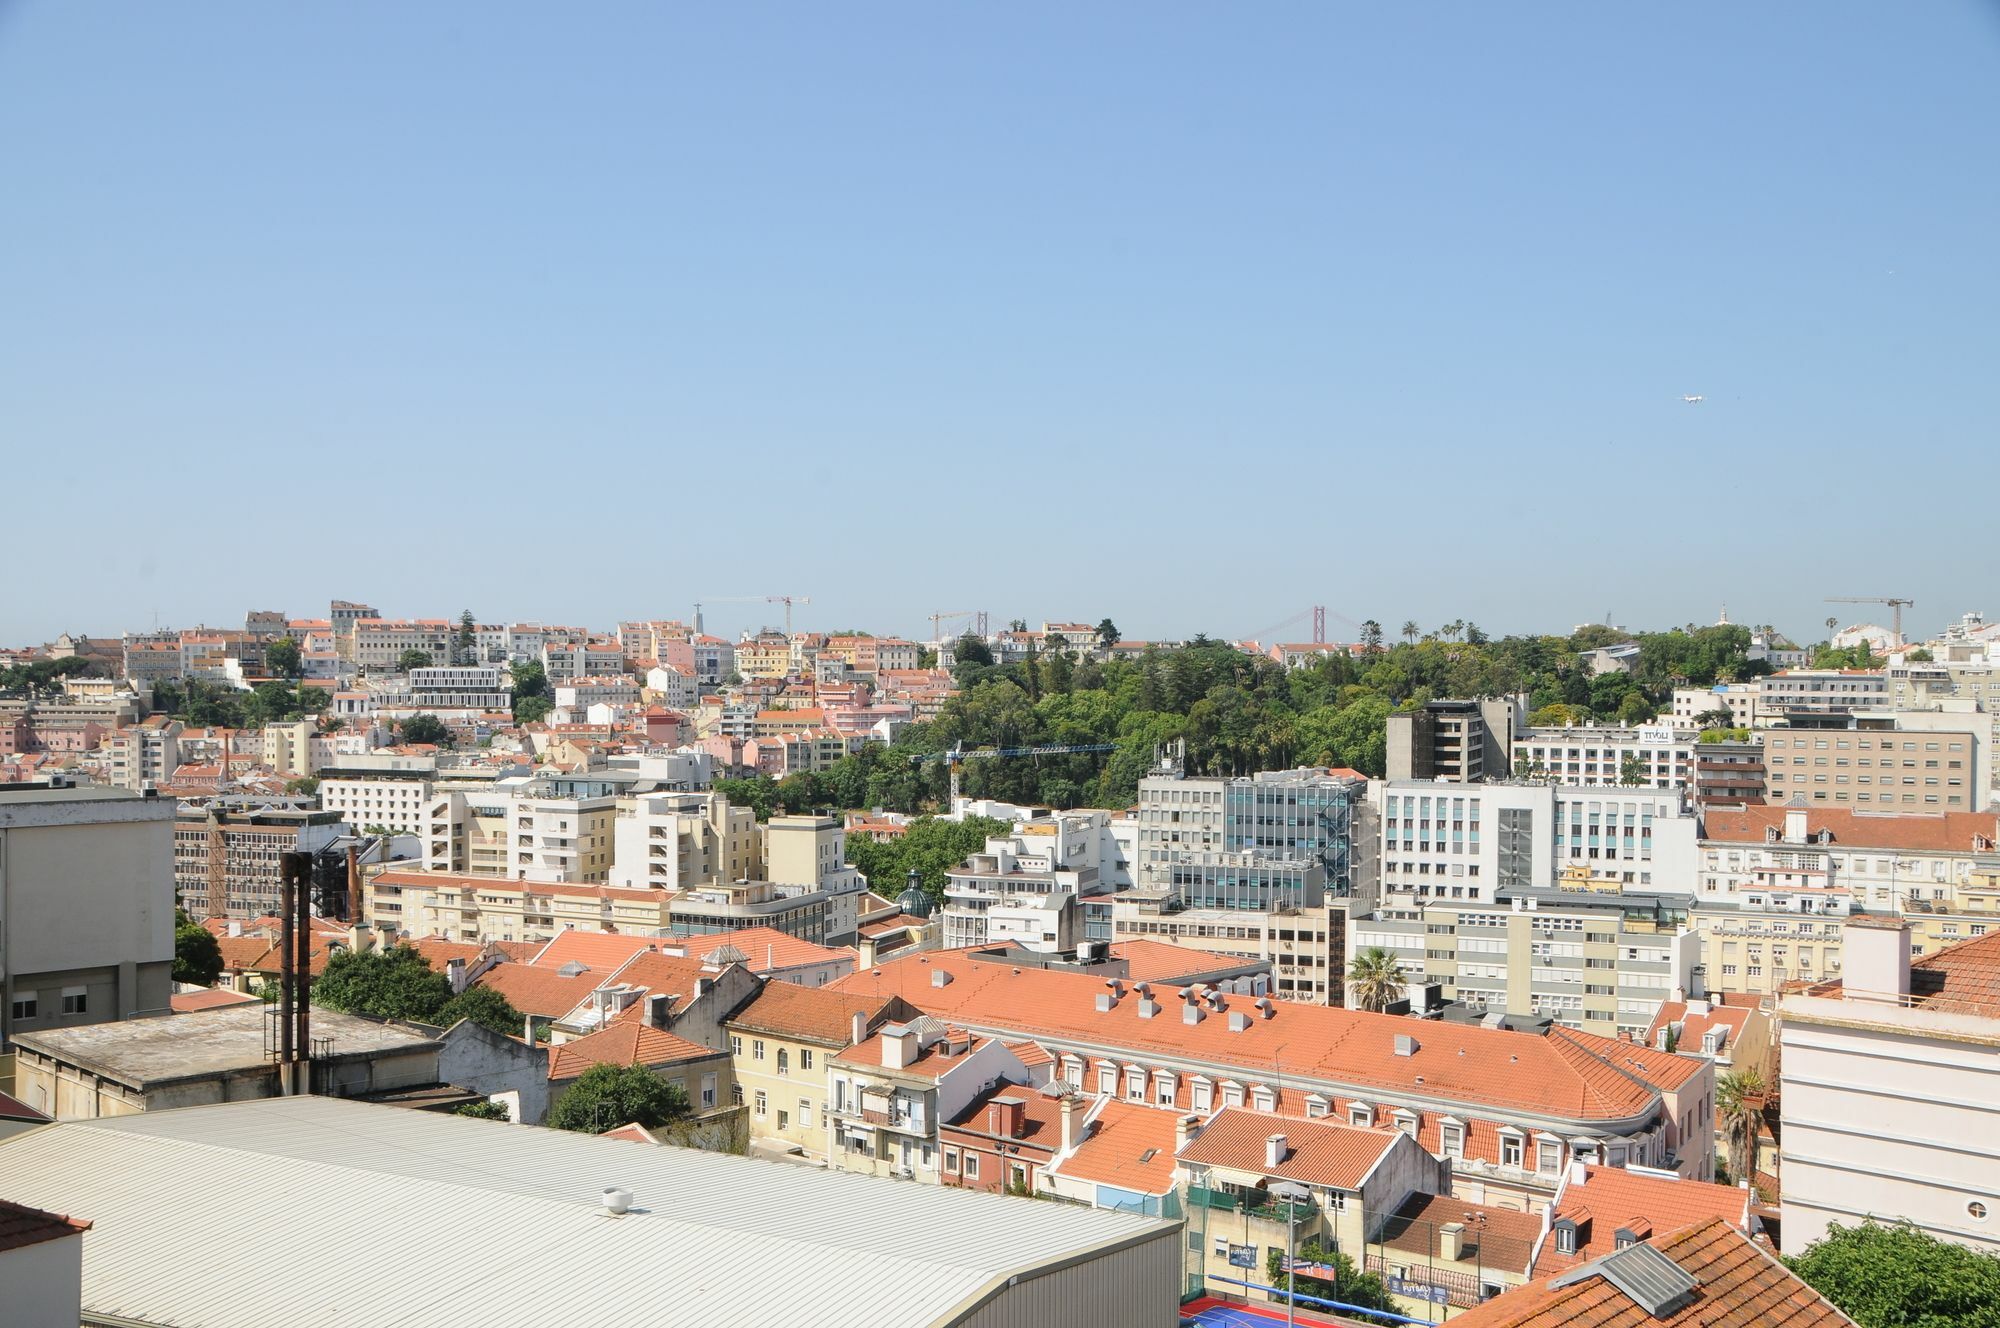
<point>1937,832</point>
<point>1572,1077</point>
<point>12,1108</point>
<point>21,1225</point>
<point>933,1062</point>
<point>812,1014</point>
<point>1694,1024</point>
<point>767,949</point>
<point>1739,1284</point>
<point>1163,961</point>
<point>542,992</point>
<point>1041,1116</point>
<point>1608,1198</point>
<point>593,949</point>
<point>631,1130</point>
<point>625,1044</point>
<point>1497,1237</point>
<point>1963,978</point>
<point>1317,1152</point>
<point>208,998</point>
<point>1129,1146</point>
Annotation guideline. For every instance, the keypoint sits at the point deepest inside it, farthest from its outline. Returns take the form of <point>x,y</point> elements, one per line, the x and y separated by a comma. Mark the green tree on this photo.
<point>1371,635</point>
<point>413,659</point>
<point>197,954</point>
<point>1738,1095</point>
<point>424,727</point>
<point>1411,631</point>
<point>307,786</point>
<point>1921,655</point>
<point>532,709</point>
<point>930,845</point>
<point>465,641</point>
<point>1900,1277</point>
<point>971,650</point>
<point>1375,979</point>
<point>284,658</point>
<point>607,1096</point>
<point>483,1006</point>
<point>488,1110</point>
<point>1107,634</point>
<point>757,792</point>
<point>530,679</point>
<point>395,983</point>
<point>1632,772</point>
<point>1348,1284</point>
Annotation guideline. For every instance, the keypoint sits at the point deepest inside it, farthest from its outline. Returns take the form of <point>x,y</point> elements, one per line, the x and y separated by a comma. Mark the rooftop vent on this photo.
<point>1238,1021</point>
<point>940,978</point>
<point>1649,1279</point>
<point>1148,1007</point>
<point>1192,1013</point>
<point>571,969</point>
<point>1405,1045</point>
<point>1106,1000</point>
<point>617,1202</point>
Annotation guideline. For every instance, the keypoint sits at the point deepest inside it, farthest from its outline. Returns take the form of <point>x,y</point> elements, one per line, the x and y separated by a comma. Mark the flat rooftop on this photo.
<point>142,1053</point>
<point>334,1192</point>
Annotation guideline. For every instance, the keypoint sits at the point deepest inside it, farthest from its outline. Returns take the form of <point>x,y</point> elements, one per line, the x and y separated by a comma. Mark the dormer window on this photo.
<point>1360,1114</point>
<point>1565,1237</point>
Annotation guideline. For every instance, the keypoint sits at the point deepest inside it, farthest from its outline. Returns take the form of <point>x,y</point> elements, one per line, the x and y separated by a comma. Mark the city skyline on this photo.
<point>1202,307</point>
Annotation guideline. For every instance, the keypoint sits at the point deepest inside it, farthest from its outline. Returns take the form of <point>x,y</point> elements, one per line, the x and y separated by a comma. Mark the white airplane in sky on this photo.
<point>1692,401</point>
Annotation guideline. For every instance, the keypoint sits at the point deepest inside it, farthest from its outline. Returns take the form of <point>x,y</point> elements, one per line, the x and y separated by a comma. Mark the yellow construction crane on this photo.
<point>1895,603</point>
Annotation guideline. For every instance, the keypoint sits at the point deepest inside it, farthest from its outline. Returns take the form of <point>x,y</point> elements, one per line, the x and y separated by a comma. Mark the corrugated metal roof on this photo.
<point>318,1211</point>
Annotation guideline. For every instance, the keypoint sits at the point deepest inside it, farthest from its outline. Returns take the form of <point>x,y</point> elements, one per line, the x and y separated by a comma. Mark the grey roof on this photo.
<point>1649,1279</point>
<point>144,1053</point>
<point>325,1198</point>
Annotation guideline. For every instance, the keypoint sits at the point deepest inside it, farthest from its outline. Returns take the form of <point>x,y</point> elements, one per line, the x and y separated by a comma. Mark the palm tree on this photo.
<point>1375,977</point>
<point>1734,1108</point>
<point>1411,631</point>
<point>1454,627</point>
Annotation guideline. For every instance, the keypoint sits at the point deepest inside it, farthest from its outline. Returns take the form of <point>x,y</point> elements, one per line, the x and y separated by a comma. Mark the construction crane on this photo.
<point>953,615</point>
<point>786,600</point>
<point>958,755</point>
<point>1896,606</point>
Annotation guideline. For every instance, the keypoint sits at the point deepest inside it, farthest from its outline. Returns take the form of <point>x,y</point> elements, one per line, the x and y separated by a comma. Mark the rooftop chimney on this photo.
<point>899,1047</point>
<point>1451,1242</point>
<point>857,1032</point>
<point>1275,1152</point>
<point>1006,1117</point>
<point>1184,1129</point>
<point>657,1007</point>
<point>1072,1115</point>
<point>1875,959</point>
<point>1405,1045</point>
<point>454,972</point>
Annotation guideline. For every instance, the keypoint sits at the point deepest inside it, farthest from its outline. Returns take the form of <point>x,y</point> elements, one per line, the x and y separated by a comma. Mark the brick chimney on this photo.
<point>1006,1117</point>
<point>1276,1150</point>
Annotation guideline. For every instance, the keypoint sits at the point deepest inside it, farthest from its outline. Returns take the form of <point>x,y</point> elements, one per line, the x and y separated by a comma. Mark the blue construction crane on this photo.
<point>957,755</point>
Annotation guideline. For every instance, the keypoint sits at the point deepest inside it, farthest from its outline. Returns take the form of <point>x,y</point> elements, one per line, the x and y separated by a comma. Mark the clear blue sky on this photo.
<point>1194,315</point>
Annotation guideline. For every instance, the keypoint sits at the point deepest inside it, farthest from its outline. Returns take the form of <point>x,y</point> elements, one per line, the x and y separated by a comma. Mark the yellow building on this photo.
<point>764,657</point>
<point>486,908</point>
<point>780,1045</point>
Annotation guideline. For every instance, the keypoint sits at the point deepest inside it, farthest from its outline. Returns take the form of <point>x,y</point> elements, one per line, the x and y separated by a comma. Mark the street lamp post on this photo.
<point>1288,1194</point>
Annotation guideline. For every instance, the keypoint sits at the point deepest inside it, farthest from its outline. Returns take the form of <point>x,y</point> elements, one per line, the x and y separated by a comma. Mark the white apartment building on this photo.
<point>1888,1079</point>
<point>674,688</point>
<point>1043,860</point>
<point>379,643</point>
<point>677,841</point>
<point>1597,755</point>
<point>142,755</point>
<point>584,659</point>
<point>1474,841</point>
<point>1822,691</point>
<point>1738,698</point>
<point>380,789</point>
<point>1600,965</point>
<point>580,694</point>
<point>1885,862</point>
<point>526,829</point>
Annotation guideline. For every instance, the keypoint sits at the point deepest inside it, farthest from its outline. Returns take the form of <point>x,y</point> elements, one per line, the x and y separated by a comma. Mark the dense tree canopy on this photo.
<point>1237,712</point>
<point>483,1006</point>
<point>930,846</point>
<point>607,1096</point>
<point>413,659</point>
<point>197,954</point>
<point>1900,1277</point>
<point>283,657</point>
<point>395,983</point>
<point>424,727</point>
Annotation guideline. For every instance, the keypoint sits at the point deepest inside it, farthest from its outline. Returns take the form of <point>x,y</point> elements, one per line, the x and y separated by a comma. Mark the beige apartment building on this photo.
<point>1888,1086</point>
<point>674,841</point>
<point>490,908</point>
<point>780,1047</point>
<point>1883,761</point>
<point>1304,946</point>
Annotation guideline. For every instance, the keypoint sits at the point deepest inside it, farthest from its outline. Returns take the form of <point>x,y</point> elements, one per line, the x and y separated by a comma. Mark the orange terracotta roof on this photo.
<point>1964,977</point>
<point>1163,961</point>
<point>21,1226</point>
<point>1479,1067</point>
<point>766,949</point>
<point>542,992</point>
<point>817,1014</point>
<point>1694,1024</point>
<point>1496,1237</point>
<point>1127,1145</point>
<point>1608,1198</point>
<point>1937,832</point>
<point>933,1062</point>
<point>625,1044</point>
<point>1318,1152</point>
<point>595,949</point>
<point>209,998</point>
<point>439,953</point>
<point>632,1131</point>
<point>1041,1116</point>
<point>1031,1054</point>
<point>1737,1283</point>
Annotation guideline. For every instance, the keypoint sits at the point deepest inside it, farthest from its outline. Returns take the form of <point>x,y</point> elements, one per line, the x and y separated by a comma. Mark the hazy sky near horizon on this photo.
<point>1193,315</point>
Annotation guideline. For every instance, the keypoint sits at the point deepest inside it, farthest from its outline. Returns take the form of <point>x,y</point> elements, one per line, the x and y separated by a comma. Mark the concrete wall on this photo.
<point>475,1058</point>
<point>41,1285</point>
